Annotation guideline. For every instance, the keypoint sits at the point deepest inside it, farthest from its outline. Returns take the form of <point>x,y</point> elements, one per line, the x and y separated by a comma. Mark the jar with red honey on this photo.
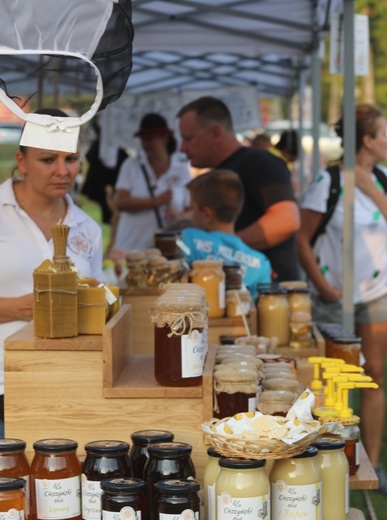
<point>14,463</point>
<point>55,480</point>
<point>179,319</point>
<point>141,440</point>
<point>12,498</point>
<point>104,459</point>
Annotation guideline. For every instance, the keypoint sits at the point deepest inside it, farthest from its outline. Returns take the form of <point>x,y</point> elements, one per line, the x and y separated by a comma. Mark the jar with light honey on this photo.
<point>12,498</point>
<point>137,266</point>
<point>274,314</point>
<point>209,274</point>
<point>345,347</point>
<point>299,300</point>
<point>238,303</point>
<point>55,480</point>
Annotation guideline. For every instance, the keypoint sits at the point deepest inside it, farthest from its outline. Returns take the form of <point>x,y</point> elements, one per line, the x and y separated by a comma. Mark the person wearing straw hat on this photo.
<point>48,163</point>
<point>150,189</point>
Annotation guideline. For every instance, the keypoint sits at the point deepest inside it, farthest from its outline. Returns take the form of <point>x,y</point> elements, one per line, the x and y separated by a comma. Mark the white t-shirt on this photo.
<point>135,230</point>
<point>23,247</point>
<point>370,239</point>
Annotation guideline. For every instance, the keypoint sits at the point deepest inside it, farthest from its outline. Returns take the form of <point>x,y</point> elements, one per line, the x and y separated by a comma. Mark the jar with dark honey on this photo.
<point>235,391</point>
<point>175,497</point>
<point>347,348</point>
<point>233,276</point>
<point>179,318</point>
<point>12,498</point>
<point>139,450</point>
<point>167,242</point>
<point>104,459</point>
<point>55,480</point>
<point>123,498</point>
<point>14,463</point>
<point>167,460</point>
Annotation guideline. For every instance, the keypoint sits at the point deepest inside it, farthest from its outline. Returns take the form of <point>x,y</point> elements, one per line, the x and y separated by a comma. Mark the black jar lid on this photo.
<point>231,266</point>
<point>123,485</point>
<point>177,486</point>
<point>211,452</point>
<point>334,444</point>
<point>55,445</point>
<point>346,340</point>
<point>145,437</point>
<point>296,290</point>
<point>271,289</point>
<point>111,447</point>
<point>169,449</point>
<point>11,483</point>
<point>310,451</point>
<point>12,445</point>
<point>166,234</point>
<point>235,463</point>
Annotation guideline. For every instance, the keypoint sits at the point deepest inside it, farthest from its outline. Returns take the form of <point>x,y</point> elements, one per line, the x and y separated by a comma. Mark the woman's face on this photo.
<point>153,142</point>
<point>378,145</point>
<point>48,172</point>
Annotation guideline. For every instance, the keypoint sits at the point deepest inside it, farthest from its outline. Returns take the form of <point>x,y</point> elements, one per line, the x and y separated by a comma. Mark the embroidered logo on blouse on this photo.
<point>80,245</point>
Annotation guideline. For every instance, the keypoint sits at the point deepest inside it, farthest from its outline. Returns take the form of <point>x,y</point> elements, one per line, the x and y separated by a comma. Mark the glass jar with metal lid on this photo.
<point>167,460</point>
<point>334,479</point>
<point>123,498</point>
<point>211,472</point>
<point>299,300</point>
<point>177,499</point>
<point>12,498</point>
<point>345,347</point>
<point>235,390</point>
<point>242,490</point>
<point>296,486</point>
<point>238,303</point>
<point>233,276</point>
<point>167,242</point>
<point>14,463</point>
<point>139,450</point>
<point>273,314</point>
<point>104,459</point>
<point>55,475</point>
<point>209,275</point>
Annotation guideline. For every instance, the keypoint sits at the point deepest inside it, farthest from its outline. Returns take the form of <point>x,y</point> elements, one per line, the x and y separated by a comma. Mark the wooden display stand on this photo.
<point>94,387</point>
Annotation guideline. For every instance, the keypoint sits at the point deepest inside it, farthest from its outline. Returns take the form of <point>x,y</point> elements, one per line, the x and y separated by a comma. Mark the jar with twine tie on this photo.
<point>235,391</point>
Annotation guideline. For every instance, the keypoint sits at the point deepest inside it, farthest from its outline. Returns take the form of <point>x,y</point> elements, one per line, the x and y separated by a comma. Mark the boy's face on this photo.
<point>199,216</point>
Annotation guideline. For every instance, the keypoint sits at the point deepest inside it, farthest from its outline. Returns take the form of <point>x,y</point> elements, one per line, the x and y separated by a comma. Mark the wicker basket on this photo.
<point>238,446</point>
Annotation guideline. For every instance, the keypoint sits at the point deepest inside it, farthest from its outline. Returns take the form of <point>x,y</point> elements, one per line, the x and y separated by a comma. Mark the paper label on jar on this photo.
<point>187,514</point>
<point>91,499</point>
<point>27,479</point>
<point>58,499</point>
<point>222,294</point>
<point>229,508</point>
<point>357,453</point>
<point>126,513</point>
<point>192,354</point>
<point>211,502</point>
<point>12,514</point>
<point>290,501</point>
<point>252,404</point>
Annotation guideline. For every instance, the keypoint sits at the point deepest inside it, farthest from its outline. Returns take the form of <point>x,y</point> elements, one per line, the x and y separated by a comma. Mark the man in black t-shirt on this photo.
<point>270,216</point>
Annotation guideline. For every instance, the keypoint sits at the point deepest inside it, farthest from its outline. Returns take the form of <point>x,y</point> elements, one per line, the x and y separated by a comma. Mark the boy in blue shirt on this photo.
<point>216,201</point>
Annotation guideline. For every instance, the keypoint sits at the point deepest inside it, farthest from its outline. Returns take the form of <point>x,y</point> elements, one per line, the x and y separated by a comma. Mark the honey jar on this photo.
<point>273,314</point>
<point>209,275</point>
<point>235,391</point>
<point>177,499</point>
<point>299,300</point>
<point>345,347</point>
<point>237,303</point>
<point>167,243</point>
<point>137,266</point>
<point>104,459</point>
<point>12,498</point>
<point>14,463</point>
<point>55,480</point>
<point>211,472</point>
<point>123,498</point>
<point>139,450</point>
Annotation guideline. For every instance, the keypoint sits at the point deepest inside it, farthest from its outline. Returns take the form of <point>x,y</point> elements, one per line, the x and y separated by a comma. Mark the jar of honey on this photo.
<point>167,242</point>
<point>137,266</point>
<point>235,391</point>
<point>12,498</point>
<point>14,463</point>
<point>167,460</point>
<point>104,459</point>
<point>139,450</point>
<point>211,472</point>
<point>273,314</point>
<point>299,300</point>
<point>345,347</point>
<point>55,480</point>
<point>158,271</point>
<point>177,499</point>
<point>233,276</point>
<point>296,486</point>
<point>179,319</point>
<point>238,303</point>
<point>123,498</point>
<point>209,274</point>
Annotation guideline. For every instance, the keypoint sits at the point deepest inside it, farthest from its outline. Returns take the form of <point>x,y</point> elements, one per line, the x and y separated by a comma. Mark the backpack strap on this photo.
<point>333,198</point>
<point>381,177</point>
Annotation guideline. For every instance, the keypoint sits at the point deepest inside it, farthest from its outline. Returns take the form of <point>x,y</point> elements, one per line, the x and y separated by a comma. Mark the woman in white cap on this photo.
<point>29,207</point>
<point>150,189</point>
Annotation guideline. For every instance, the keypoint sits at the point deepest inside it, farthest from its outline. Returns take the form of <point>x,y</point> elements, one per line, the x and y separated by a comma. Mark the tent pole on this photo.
<point>349,166</point>
<point>316,110</point>
<point>301,101</point>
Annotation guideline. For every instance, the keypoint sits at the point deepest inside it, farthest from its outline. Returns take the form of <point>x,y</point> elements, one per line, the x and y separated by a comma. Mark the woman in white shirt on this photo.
<point>323,264</point>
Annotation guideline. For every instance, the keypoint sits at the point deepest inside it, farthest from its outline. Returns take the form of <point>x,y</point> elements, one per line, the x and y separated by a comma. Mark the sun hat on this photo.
<point>152,124</point>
